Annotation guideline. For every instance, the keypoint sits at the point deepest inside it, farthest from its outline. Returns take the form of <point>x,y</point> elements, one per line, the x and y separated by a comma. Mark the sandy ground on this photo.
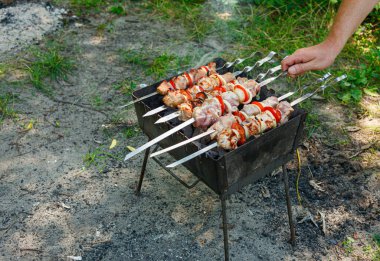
<point>53,207</point>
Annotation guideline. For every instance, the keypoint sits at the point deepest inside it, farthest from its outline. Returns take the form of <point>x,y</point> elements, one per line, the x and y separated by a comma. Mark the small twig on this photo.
<point>78,105</point>
<point>323,217</point>
<point>31,249</point>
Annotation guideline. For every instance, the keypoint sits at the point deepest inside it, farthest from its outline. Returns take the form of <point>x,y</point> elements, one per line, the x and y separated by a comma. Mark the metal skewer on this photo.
<point>238,61</point>
<point>159,138</point>
<point>214,145</point>
<point>210,131</point>
<point>237,73</point>
<point>226,65</point>
<point>176,114</point>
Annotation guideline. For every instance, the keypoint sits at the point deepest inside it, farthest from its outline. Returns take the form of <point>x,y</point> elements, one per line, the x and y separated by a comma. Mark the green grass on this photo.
<point>131,131</point>
<point>7,107</point>
<point>126,87</point>
<point>285,26</point>
<point>48,63</point>
<point>117,10</point>
<point>153,64</point>
<point>3,70</point>
<point>97,101</point>
<point>191,14</point>
<point>82,7</point>
<point>99,157</point>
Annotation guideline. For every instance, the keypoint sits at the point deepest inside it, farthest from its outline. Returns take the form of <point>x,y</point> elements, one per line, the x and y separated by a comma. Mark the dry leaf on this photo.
<point>113,144</point>
<point>29,126</point>
<point>74,257</point>
<point>131,148</point>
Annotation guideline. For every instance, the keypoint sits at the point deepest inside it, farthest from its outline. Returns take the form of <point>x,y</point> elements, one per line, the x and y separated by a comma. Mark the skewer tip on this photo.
<point>160,120</point>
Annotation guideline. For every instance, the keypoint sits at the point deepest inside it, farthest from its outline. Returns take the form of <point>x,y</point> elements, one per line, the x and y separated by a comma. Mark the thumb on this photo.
<point>300,68</point>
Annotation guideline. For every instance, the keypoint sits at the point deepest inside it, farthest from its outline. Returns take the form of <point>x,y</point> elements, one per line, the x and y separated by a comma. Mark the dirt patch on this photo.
<point>53,207</point>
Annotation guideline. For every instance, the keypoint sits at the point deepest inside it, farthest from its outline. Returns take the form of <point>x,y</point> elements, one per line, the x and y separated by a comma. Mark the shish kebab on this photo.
<point>207,85</point>
<point>193,75</point>
<point>231,138</point>
<point>214,108</point>
<point>247,111</point>
<point>213,79</point>
<point>232,95</point>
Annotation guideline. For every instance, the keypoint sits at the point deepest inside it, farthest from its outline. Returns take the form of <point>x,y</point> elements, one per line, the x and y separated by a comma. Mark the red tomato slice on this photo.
<point>188,78</point>
<point>222,106</point>
<point>241,131</point>
<point>205,68</point>
<point>276,113</point>
<point>220,80</point>
<point>187,94</point>
<point>173,84</point>
<point>240,115</point>
<point>221,89</point>
<point>258,104</point>
<point>246,94</point>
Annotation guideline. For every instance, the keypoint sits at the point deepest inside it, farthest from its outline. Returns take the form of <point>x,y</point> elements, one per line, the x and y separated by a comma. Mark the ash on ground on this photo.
<point>24,24</point>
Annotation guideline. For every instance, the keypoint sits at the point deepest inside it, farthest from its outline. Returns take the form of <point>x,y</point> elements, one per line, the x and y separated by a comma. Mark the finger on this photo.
<point>290,61</point>
<point>300,68</point>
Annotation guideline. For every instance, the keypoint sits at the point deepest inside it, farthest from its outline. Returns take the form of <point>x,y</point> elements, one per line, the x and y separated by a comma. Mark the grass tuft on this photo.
<point>99,157</point>
<point>126,87</point>
<point>193,15</point>
<point>117,10</point>
<point>7,107</point>
<point>158,66</point>
<point>49,63</point>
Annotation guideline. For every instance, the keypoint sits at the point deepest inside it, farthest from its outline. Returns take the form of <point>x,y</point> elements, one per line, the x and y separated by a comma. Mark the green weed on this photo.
<point>105,27</point>
<point>135,57</point>
<point>156,65</point>
<point>348,245</point>
<point>48,62</point>
<point>126,87</point>
<point>7,107</point>
<point>117,9</point>
<point>98,158</point>
<point>160,65</point>
<point>86,6</point>
<point>193,15</point>
<point>97,101</point>
<point>131,131</point>
<point>376,239</point>
<point>3,70</point>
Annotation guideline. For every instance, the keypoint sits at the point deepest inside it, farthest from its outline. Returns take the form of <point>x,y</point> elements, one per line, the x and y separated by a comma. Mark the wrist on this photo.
<point>335,45</point>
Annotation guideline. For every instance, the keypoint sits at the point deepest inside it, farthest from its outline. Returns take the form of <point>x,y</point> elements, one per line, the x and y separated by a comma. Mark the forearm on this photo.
<point>350,15</point>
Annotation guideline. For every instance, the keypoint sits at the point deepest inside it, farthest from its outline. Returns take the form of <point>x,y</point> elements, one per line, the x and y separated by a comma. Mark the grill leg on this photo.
<point>289,206</point>
<point>225,229</point>
<point>138,188</point>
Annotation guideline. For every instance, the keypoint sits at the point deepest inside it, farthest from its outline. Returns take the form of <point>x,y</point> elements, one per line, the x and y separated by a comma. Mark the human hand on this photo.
<point>317,57</point>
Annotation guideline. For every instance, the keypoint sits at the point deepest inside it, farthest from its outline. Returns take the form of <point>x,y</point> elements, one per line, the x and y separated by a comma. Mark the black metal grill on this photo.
<point>225,172</point>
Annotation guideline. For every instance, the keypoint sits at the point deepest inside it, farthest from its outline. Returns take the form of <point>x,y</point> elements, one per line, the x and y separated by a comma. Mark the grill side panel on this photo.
<point>264,154</point>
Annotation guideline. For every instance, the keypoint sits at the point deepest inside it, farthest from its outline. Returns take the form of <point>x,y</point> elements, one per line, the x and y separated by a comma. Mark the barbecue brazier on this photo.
<point>225,172</point>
